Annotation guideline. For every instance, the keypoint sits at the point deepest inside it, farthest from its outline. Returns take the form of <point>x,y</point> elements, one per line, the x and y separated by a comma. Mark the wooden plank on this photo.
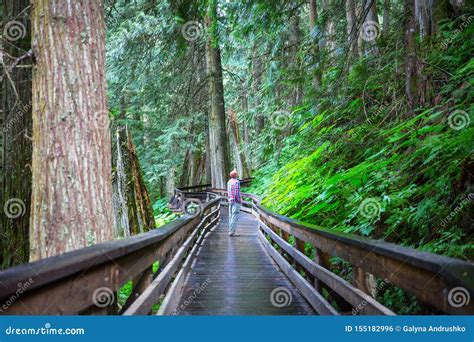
<point>312,296</point>
<point>426,275</point>
<point>233,275</point>
<point>171,299</point>
<point>335,283</point>
<point>142,305</point>
<point>324,260</point>
<point>300,245</point>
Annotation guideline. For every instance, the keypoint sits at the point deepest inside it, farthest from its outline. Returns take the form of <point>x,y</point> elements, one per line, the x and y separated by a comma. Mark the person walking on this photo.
<point>235,202</point>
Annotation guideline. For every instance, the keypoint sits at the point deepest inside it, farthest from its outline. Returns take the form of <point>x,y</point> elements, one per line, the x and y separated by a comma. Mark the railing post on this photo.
<point>321,259</point>
<point>299,245</point>
<point>363,281</point>
<point>324,260</point>
<point>139,283</point>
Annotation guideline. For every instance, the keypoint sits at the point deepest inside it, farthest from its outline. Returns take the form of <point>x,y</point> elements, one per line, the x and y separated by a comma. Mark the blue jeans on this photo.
<point>234,209</point>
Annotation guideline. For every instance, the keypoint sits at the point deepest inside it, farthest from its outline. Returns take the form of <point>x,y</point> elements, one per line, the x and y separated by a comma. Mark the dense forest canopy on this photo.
<point>353,115</point>
<point>337,108</point>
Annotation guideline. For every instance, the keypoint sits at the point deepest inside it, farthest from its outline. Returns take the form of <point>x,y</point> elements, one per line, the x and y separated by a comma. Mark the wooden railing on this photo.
<point>200,192</point>
<point>433,279</point>
<point>86,281</point>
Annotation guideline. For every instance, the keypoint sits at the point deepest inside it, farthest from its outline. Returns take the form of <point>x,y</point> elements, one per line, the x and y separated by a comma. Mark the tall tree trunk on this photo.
<point>317,67</point>
<point>132,209</point>
<point>119,175</point>
<point>386,17</point>
<point>219,153</point>
<point>411,79</point>
<point>295,38</point>
<point>240,160</point>
<point>424,17</point>
<point>245,130</point>
<point>16,125</point>
<point>72,188</point>
<point>208,156</point>
<point>329,30</point>
<point>257,70</point>
<point>142,202</point>
<point>171,182</point>
<point>185,173</point>
<point>120,191</point>
<point>351,28</point>
<point>370,27</point>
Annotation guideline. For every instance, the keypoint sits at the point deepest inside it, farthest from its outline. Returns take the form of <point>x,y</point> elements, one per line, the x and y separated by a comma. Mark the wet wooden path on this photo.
<point>236,276</point>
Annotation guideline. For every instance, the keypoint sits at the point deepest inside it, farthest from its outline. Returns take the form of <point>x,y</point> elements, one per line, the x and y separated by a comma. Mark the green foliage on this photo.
<point>413,168</point>
<point>124,292</point>
<point>162,214</point>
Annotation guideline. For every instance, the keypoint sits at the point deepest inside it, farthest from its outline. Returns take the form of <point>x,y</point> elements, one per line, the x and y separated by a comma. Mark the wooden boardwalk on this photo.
<point>236,276</point>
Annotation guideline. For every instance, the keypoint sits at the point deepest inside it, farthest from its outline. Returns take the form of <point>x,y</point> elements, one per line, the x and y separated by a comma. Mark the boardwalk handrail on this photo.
<point>72,283</point>
<point>81,281</point>
<point>430,277</point>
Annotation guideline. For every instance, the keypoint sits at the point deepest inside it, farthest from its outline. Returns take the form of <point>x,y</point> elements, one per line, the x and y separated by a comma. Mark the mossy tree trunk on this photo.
<point>132,209</point>
<point>316,54</point>
<point>241,163</point>
<point>218,143</point>
<point>411,77</point>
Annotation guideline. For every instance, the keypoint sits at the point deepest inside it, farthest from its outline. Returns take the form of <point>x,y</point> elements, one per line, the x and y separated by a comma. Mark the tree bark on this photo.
<point>16,146</point>
<point>295,38</point>
<point>329,29</point>
<point>120,192</point>
<point>144,210</point>
<point>132,209</point>
<point>240,160</point>
<point>386,18</point>
<point>352,29</point>
<point>72,188</point>
<point>171,182</point>
<point>411,79</point>
<point>219,154</point>
<point>424,17</point>
<point>257,70</point>
<point>317,67</point>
